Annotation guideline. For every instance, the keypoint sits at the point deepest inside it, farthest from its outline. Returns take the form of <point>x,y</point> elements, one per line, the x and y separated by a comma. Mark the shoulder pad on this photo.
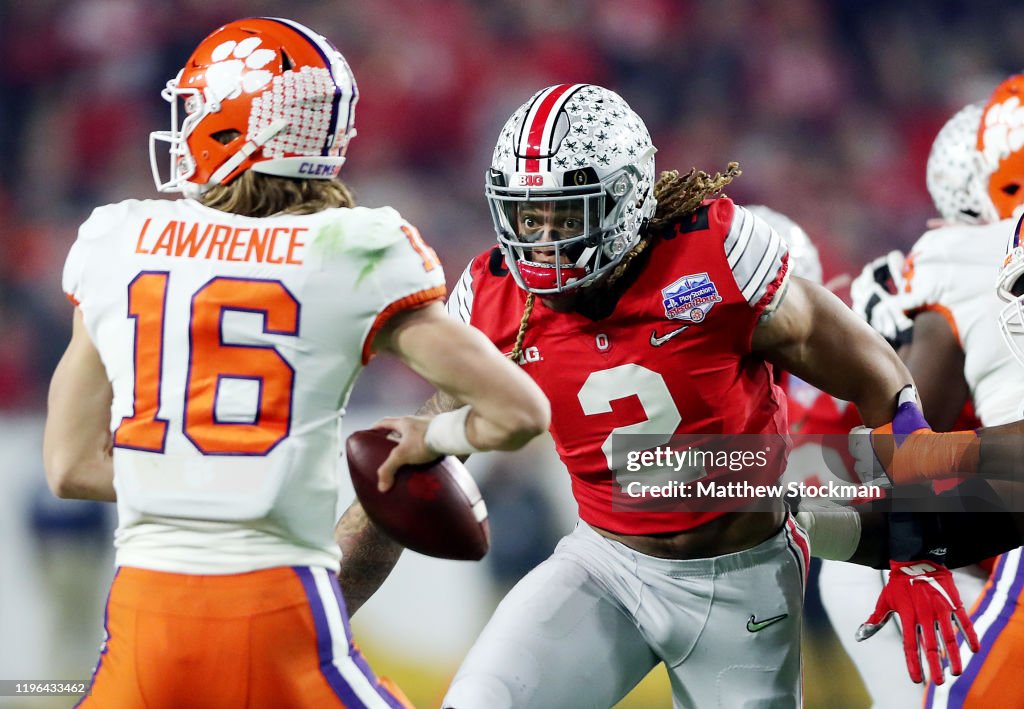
<point>360,230</point>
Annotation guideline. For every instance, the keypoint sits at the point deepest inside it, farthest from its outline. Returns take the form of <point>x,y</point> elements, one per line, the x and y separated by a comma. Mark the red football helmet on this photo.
<point>1001,144</point>
<point>261,93</point>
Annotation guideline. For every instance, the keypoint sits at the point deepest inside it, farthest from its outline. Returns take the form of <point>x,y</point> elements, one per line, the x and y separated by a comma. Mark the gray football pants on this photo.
<point>585,626</point>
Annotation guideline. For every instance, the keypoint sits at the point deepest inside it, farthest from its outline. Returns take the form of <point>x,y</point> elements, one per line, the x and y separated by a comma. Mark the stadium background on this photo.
<point>830,107</point>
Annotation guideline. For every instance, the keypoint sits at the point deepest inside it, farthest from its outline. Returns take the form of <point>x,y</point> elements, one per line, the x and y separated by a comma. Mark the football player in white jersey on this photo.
<point>216,339</point>
<point>954,349</point>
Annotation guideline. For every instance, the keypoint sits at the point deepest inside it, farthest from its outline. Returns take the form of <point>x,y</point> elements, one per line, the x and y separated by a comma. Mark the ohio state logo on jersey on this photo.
<point>690,298</point>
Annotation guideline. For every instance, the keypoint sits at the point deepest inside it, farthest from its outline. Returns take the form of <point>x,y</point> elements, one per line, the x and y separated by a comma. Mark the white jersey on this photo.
<point>952,270</point>
<point>232,344</point>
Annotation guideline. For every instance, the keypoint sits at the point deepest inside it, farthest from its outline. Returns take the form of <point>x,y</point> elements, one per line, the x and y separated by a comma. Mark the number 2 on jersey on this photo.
<point>607,385</point>
<point>210,361</point>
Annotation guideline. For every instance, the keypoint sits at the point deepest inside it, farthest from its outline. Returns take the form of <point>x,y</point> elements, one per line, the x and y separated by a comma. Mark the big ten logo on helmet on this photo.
<point>531,180</point>
<point>529,355</point>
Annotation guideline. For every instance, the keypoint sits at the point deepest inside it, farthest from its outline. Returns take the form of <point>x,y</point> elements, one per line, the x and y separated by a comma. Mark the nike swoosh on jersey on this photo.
<point>659,341</point>
<point>754,625</point>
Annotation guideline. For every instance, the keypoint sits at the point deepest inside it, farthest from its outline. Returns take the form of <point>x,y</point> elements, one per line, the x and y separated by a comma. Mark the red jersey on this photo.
<point>673,357</point>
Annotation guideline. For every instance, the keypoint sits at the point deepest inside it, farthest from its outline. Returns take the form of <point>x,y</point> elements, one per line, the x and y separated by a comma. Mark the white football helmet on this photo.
<point>952,174</point>
<point>1010,288</point>
<point>803,255</point>
<point>262,93</point>
<point>579,155</point>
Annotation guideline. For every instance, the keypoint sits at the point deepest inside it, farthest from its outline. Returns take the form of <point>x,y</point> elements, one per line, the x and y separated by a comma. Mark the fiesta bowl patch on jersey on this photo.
<point>690,298</point>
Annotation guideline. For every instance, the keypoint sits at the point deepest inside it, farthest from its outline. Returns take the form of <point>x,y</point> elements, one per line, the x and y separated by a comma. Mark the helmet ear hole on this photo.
<point>286,62</point>
<point>1018,288</point>
<point>1011,189</point>
<point>226,136</point>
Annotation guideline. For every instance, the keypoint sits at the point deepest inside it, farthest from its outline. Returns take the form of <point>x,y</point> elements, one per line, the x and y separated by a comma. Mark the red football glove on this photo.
<point>924,596</point>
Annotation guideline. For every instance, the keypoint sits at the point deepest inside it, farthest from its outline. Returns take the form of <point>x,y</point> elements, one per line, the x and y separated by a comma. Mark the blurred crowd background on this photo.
<point>829,106</point>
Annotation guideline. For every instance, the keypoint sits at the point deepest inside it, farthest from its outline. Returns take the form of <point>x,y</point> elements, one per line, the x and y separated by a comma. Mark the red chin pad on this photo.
<point>539,276</point>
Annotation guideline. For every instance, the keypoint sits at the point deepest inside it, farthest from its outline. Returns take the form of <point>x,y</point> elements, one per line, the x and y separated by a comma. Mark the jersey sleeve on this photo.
<point>74,269</point>
<point>927,272</point>
<point>76,266</point>
<point>460,302</point>
<point>758,258</point>
<point>404,270</point>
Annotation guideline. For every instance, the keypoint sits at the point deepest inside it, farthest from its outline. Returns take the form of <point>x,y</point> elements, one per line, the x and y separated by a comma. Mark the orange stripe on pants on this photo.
<point>217,642</point>
<point>997,684</point>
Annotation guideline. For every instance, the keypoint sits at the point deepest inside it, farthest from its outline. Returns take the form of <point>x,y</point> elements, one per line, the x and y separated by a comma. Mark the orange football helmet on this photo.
<point>262,93</point>
<point>1001,144</point>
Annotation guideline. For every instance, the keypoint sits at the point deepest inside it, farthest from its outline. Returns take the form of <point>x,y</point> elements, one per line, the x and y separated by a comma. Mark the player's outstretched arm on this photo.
<point>76,441</point>
<point>813,335</point>
<point>859,534</point>
<point>504,409</point>
<point>994,453</point>
<point>816,337</point>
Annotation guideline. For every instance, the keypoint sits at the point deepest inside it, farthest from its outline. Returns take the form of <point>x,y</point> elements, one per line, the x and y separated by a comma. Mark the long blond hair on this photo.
<point>254,194</point>
<point>678,197</point>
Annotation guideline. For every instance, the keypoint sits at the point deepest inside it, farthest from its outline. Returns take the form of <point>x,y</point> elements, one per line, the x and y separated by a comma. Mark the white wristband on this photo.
<point>446,433</point>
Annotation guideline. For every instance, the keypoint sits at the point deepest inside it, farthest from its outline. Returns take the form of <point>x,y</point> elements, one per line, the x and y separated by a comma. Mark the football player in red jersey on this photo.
<point>653,307</point>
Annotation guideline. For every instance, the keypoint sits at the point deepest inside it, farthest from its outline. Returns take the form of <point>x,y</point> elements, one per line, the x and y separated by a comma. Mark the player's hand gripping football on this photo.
<point>923,595</point>
<point>412,449</point>
<point>873,296</point>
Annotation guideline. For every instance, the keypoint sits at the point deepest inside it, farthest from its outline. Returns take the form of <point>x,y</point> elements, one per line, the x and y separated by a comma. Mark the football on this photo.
<point>435,508</point>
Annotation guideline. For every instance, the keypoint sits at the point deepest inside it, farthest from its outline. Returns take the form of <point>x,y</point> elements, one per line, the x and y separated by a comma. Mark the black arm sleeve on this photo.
<point>959,527</point>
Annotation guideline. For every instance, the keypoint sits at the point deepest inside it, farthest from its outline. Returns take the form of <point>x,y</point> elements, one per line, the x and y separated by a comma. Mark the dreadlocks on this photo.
<point>678,196</point>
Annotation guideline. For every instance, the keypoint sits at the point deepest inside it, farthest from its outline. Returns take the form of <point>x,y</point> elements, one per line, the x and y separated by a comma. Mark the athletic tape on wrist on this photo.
<point>446,433</point>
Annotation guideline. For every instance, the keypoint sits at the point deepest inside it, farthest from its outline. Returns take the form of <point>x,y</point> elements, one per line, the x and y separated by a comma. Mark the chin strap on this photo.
<point>247,150</point>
